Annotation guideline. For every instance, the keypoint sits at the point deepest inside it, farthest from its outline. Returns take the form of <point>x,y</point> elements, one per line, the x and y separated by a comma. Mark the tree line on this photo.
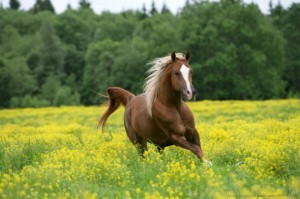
<point>49,59</point>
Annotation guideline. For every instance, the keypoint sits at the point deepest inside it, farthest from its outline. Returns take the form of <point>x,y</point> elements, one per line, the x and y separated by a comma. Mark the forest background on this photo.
<point>49,59</point>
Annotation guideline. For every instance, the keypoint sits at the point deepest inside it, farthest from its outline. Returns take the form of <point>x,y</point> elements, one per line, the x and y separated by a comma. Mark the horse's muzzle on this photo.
<point>187,95</point>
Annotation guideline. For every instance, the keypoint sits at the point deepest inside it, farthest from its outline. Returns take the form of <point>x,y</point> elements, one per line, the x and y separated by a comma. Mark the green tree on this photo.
<point>129,66</point>
<point>43,5</point>
<point>51,54</point>
<point>142,14</point>
<point>239,54</point>
<point>187,4</point>
<point>69,7</point>
<point>151,29</point>
<point>288,22</point>
<point>116,27</point>
<point>50,88</point>
<point>73,29</point>
<point>14,4</point>
<point>25,23</point>
<point>64,96</point>
<point>16,80</point>
<point>10,38</point>
<point>98,71</point>
<point>74,62</point>
<point>153,9</point>
<point>84,4</point>
<point>165,9</point>
<point>76,34</point>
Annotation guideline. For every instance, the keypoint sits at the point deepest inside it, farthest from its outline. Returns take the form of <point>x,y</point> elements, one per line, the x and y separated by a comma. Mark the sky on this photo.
<point>121,5</point>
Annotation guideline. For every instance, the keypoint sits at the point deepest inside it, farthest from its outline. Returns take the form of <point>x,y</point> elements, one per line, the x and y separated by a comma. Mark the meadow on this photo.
<point>254,147</point>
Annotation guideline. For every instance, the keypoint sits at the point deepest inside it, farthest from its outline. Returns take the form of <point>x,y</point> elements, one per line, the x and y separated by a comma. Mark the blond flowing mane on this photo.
<point>155,74</point>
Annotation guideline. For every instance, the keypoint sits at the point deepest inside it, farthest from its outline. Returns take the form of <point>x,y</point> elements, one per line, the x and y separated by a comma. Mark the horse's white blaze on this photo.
<point>185,74</point>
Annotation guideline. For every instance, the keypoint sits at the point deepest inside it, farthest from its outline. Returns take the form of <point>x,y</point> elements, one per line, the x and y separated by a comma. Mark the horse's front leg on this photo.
<point>196,138</point>
<point>192,136</point>
<point>180,140</point>
<point>196,141</point>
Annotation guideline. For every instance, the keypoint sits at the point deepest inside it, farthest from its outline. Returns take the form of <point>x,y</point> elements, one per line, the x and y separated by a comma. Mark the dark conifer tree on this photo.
<point>165,9</point>
<point>43,5</point>
<point>153,9</point>
<point>84,4</point>
<point>144,12</point>
<point>14,4</point>
<point>69,7</point>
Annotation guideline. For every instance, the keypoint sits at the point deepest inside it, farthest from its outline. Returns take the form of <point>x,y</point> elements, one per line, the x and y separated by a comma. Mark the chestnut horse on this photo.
<point>159,115</point>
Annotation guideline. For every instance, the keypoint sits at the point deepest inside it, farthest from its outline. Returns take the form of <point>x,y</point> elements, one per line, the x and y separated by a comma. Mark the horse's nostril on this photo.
<point>188,92</point>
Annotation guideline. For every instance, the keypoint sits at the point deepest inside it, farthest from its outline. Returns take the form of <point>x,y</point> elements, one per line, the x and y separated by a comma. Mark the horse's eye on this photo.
<point>177,73</point>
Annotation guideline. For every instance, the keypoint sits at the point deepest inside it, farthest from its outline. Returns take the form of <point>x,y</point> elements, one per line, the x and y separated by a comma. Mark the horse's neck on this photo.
<point>168,96</point>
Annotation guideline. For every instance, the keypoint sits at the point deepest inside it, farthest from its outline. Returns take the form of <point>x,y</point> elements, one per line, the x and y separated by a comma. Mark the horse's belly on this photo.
<point>147,129</point>
<point>142,123</point>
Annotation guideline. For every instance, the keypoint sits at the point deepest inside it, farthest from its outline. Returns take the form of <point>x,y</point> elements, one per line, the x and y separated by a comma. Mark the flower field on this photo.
<point>60,153</point>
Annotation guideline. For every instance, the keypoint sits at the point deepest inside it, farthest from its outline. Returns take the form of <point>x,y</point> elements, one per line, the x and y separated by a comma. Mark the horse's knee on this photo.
<point>177,139</point>
<point>182,142</point>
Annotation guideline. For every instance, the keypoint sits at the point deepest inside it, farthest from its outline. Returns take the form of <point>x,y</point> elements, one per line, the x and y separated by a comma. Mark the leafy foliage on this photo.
<point>43,5</point>
<point>288,22</point>
<point>237,52</point>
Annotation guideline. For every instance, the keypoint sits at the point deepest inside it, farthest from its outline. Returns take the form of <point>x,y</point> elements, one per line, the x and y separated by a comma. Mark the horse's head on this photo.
<point>181,76</point>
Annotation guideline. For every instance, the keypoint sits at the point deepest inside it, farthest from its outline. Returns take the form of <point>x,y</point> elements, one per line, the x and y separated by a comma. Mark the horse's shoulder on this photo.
<point>185,107</point>
<point>186,111</point>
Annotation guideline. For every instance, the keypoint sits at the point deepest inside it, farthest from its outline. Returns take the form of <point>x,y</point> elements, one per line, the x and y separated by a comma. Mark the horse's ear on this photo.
<point>188,56</point>
<point>173,56</point>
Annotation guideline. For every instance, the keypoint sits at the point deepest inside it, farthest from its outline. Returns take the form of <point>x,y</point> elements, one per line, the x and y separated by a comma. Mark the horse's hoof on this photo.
<point>208,163</point>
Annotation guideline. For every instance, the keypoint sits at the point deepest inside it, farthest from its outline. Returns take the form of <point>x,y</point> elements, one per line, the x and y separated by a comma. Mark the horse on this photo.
<point>159,115</point>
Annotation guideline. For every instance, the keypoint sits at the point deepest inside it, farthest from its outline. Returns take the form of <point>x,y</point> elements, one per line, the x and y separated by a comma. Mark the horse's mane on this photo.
<point>155,74</point>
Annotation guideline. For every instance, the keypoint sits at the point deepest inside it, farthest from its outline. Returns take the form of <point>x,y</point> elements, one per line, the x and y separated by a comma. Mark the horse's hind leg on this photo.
<point>141,145</point>
<point>136,140</point>
<point>139,142</point>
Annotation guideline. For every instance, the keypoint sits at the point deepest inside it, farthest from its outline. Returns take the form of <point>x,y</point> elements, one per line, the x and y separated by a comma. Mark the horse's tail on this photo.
<point>116,97</point>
